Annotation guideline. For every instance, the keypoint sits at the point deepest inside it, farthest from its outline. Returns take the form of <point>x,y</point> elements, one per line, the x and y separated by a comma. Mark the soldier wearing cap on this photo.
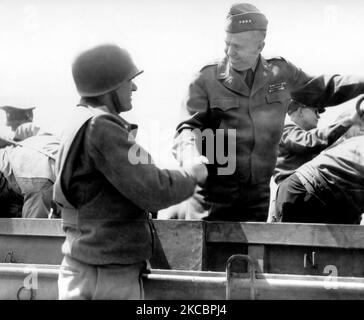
<point>301,140</point>
<point>105,189</point>
<point>17,115</point>
<point>330,187</point>
<point>20,120</point>
<point>249,95</point>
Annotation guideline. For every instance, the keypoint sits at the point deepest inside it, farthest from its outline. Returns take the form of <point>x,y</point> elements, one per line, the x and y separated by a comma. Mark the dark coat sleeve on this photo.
<point>10,201</point>
<point>130,169</point>
<point>324,90</point>
<point>300,141</point>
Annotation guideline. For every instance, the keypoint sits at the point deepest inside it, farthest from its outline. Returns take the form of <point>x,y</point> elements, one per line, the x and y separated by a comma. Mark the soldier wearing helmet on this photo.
<point>245,96</point>
<point>104,192</point>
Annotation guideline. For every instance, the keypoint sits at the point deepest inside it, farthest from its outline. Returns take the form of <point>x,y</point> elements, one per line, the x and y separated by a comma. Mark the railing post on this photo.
<point>251,273</point>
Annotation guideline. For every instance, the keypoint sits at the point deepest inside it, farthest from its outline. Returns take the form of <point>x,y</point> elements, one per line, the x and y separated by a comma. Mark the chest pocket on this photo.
<point>226,109</point>
<point>279,96</point>
<point>225,104</point>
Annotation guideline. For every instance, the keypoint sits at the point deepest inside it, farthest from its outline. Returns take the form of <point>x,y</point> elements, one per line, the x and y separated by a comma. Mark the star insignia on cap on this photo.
<point>245,21</point>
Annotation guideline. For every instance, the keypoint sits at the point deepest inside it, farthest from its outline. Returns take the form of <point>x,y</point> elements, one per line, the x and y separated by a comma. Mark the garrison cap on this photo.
<point>294,105</point>
<point>245,17</point>
<point>12,109</point>
<point>17,115</point>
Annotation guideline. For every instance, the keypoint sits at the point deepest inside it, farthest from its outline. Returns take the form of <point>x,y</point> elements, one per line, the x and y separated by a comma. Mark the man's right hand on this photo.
<point>197,169</point>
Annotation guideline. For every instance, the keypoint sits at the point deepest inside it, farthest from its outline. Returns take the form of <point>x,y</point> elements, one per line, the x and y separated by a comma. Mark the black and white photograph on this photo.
<point>181,153</point>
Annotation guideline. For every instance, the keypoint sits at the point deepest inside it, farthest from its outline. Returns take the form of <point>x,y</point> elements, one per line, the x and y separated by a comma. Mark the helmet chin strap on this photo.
<point>115,101</point>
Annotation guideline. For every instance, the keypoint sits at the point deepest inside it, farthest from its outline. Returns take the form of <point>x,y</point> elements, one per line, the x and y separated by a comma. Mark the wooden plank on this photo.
<point>257,253</point>
<point>217,254</point>
<point>293,234</point>
<point>31,249</point>
<point>179,245</point>
<point>31,227</point>
<point>319,235</point>
<point>285,259</point>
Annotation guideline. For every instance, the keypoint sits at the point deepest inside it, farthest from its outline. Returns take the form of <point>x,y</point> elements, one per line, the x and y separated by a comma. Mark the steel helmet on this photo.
<point>102,69</point>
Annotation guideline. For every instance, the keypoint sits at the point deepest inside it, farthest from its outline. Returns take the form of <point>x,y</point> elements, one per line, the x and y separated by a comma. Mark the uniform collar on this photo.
<point>233,81</point>
<point>103,108</point>
<point>130,127</point>
<point>263,73</point>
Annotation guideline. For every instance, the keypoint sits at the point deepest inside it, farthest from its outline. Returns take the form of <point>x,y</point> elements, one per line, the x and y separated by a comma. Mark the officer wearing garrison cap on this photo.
<point>330,187</point>
<point>246,96</point>
<point>19,117</point>
<point>107,184</point>
<point>302,140</point>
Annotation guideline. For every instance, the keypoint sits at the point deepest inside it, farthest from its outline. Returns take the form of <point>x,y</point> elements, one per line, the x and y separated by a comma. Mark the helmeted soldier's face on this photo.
<point>243,49</point>
<point>124,94</point>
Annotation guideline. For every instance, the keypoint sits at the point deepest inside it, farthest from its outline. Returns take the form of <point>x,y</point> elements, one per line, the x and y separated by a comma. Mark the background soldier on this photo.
<point>330,187</point>
<point>17,115</point>
<point>20,119</point>
<point>29,168</point>
<point>301,139</point>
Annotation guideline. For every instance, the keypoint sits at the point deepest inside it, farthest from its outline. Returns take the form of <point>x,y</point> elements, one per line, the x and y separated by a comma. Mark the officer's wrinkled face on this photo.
<point>124,94</point>
<point>243,48</point>
<point>309,118</point>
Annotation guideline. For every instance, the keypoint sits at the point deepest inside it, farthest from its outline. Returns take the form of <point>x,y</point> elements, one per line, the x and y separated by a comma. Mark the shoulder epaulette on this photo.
<point>269,58</point>
<point>211,63</point>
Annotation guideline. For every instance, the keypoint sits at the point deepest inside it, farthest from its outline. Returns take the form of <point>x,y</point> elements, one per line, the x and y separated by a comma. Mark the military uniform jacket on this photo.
<point>341,168</point>
<point>105,192</point>
<point>33,158</point>
<point>297,146</point>
<point>218,98</point>
<point>10,201</point>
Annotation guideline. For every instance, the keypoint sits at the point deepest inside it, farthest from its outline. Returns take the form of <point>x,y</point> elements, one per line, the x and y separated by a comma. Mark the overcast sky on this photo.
<point>170,40</point>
